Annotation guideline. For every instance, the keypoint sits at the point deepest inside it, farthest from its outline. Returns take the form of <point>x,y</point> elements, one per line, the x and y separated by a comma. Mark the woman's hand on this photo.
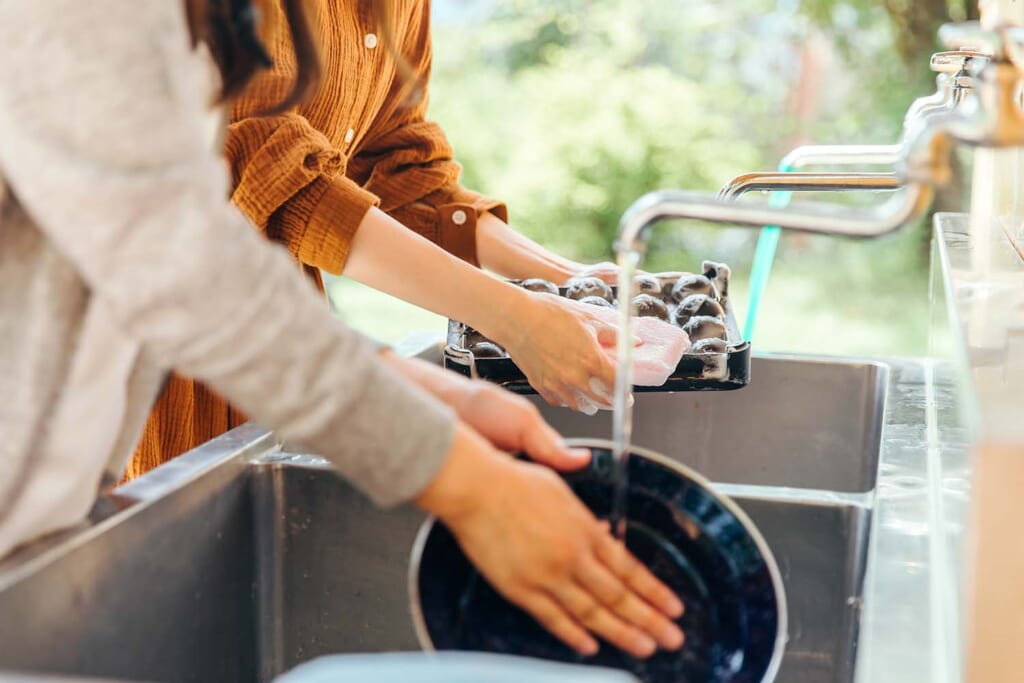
<point>563,347</point>
<point>557,343</point>
<point>540,547</point>
<point>509,422</point>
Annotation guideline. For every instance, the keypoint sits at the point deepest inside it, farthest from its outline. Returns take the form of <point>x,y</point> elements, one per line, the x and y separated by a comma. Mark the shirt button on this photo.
<point>350,135</point>
<point>370,41</point>
<point>459,217</point>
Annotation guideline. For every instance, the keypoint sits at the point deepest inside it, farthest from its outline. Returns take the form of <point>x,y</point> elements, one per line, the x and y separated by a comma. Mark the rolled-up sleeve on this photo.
<point>290,181</point>
<point>408,163</point>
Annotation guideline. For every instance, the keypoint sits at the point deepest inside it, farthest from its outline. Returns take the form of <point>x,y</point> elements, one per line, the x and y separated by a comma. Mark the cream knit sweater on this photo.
<point>120,258</point>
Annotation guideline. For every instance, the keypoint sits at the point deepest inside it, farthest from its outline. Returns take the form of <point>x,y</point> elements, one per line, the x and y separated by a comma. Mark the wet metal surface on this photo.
<point>803,423</point>
<point>239,561</point>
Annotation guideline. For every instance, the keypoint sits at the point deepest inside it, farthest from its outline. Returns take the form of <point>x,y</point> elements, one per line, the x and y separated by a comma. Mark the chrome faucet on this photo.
<point>953,78</point>
<point>636,224</point>
<point>940,99</point>
<point>989,116</point>
<point>809,182</point>
<point>956,83</point>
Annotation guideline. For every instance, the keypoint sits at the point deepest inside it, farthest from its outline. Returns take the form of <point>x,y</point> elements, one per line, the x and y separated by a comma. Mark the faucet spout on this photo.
<point>954,84</point>
<point>809,182</point>
<point>940,99</point>
<point>639,219</point>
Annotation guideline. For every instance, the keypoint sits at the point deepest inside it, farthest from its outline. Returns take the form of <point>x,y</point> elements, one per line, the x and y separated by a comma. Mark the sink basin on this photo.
<point>821,549</point>
<point>801,423</point>
<point>237,562</point>
<point>330,602</point>
<point>240,580</point>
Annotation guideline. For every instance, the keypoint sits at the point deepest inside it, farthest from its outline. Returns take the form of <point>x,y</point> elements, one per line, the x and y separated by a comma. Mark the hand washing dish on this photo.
<point>675,297</point>
<point>695,540</point>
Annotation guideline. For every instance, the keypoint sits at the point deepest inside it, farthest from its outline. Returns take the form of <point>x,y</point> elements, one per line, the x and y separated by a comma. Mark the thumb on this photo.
<point>608,335</point>
<point>544,445</point>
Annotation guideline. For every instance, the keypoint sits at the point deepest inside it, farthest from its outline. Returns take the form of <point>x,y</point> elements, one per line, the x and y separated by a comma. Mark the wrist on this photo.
<point>501,317</point>
<point>448,387</point>
<point>460,484</point>
<point>502,250</point>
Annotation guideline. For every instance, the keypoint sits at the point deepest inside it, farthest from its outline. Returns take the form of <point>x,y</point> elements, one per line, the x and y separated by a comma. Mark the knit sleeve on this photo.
<point>408,163</point>
<point>133,199</point>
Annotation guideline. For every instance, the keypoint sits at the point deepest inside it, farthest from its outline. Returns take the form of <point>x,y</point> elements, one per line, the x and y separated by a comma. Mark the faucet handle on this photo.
<point>1000,44</point>
<point>956,61</point>
<point>1004,44</point>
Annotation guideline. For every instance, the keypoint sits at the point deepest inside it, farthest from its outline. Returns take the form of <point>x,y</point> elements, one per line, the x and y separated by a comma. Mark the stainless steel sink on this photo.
<point>237,562</point>
<point>343,587</point>
<point>801,423</point>
<point>821,548</point>
<point>257,575</point>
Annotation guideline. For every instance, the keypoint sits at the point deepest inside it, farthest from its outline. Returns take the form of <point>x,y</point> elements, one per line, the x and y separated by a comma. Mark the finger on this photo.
<point>547,445</point>
<point>544,445</point>
<point>585,399</point>
<point>600,369</point>
<point>610,273</point>
<point>627,605</point>
<point>549,398</point>
<point>602,390</point>
<point>592,614</point>
<point>607,335</point>
<point>592,401</point>
<point>585,405</point>
<point>630,571</point>
<point>557,621</point>
<point>567,396</point>
<point>590,379</point>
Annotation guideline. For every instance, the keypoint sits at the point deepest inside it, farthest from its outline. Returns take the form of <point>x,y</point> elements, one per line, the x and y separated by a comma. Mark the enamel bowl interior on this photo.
<point>696,541</point>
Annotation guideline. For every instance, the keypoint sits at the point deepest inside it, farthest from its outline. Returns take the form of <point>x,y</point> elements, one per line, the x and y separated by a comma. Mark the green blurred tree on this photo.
<point>580,106</point>
<point>571,109</point>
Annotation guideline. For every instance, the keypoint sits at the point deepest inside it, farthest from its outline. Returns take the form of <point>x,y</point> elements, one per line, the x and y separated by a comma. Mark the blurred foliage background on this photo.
<point>571,109</point>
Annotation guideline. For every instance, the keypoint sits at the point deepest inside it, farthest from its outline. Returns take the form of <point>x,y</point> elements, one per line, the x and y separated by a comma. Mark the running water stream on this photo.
<point>622,405</point>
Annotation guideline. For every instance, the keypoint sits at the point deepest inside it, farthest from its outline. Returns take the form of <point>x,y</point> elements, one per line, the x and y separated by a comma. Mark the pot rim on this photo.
<point>782,629</point>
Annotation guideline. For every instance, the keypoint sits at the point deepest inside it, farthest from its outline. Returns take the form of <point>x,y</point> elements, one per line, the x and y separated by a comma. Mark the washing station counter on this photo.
<point>241,560</point>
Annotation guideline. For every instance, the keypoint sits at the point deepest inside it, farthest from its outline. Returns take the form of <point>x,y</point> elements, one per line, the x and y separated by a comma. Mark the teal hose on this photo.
<point>764,257</point>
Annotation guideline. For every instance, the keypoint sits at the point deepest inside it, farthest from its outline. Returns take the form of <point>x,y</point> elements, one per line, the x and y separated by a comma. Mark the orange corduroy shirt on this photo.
<point>306,178</point>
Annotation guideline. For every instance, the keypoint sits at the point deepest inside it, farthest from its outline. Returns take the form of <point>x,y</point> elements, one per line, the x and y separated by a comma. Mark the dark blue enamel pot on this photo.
<point>699,542</point>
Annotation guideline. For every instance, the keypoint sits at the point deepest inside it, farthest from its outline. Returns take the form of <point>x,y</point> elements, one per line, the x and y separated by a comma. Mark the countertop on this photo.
<point>912,598</point>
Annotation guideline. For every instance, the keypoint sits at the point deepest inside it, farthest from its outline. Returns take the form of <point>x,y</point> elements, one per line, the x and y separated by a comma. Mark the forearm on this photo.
<point>392,259</point>
<point>506,252</point>
<point>444,385</point>
<point>133,200</point>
